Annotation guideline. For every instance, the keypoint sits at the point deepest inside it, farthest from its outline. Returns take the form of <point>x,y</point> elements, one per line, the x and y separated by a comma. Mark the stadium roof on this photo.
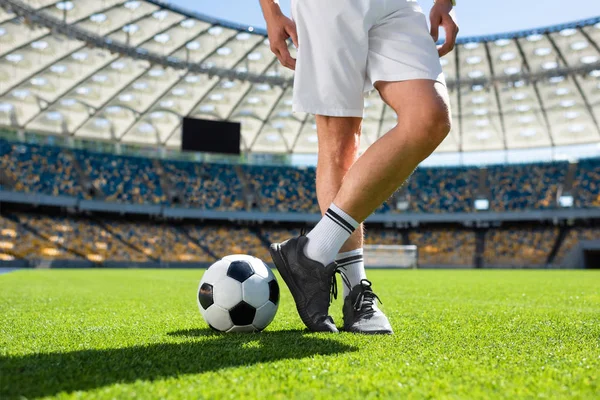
<point>127,71</point>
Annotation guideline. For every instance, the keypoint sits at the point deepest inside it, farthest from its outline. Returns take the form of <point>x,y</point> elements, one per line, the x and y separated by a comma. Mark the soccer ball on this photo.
<point>238,293</point>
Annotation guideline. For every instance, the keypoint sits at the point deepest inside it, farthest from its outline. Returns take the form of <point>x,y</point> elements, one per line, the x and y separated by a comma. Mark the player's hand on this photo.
<point>280,29</point>
<point>441,15</point>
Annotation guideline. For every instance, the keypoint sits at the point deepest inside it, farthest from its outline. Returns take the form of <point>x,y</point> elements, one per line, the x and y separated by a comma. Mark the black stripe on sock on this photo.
<point>348,263</point>
<point>338,222</point>
<point>349,259</point>
<point>341,219</point>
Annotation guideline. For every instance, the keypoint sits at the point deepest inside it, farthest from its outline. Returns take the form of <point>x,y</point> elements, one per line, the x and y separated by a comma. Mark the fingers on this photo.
<point>285,58</point>
<point>291,30</point>
<point>451,30</point>
<point>435,27</point>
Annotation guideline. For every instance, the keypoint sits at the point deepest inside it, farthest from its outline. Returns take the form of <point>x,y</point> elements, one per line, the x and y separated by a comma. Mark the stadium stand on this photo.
<point>437,190</point>
<point>444,247</point>
<point>587,184</point>
<point>572,238</point>
<point>224,240</point>
<point>285,188</point>
<point>158,241</point>
<point>124,179</point>
<point>58,237</point>
<point>202,185</point>
<point>519,247</point>
<point>39,169</point>
<point>136,180</point>
<point>16,241</point>
<point>82,236</point>
<point>526,186</point>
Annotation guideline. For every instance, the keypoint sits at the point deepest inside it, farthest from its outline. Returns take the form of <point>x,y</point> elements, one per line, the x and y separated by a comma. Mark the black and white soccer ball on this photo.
<point>238,293</point>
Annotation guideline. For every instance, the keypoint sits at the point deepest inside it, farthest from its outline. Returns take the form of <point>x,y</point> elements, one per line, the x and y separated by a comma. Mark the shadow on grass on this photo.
<point>38,375</point>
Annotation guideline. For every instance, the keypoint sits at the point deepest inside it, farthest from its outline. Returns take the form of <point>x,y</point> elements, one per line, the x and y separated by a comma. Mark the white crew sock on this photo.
<point>352,265</point>
<point>327,238</point>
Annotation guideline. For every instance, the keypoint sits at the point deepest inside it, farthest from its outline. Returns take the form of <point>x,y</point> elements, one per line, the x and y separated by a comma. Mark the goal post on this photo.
<point>390,256</point>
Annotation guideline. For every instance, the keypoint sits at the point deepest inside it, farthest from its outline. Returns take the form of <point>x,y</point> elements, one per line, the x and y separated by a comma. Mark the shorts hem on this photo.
<point>402,78</point>
<point>330,112</point>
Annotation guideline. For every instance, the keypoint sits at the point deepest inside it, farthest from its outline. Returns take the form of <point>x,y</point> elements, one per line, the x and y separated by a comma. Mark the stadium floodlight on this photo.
<point>567,103</point>
<point>529,132</point>
<point>193,46</point>
<point>571,114</point>
<point>565,201</point>
<point>192,79</point>
<point>65,5</point>
<point>6,107</point>
<point>14,58</point>
<point>508,56</point>
<point>502,42</point>
<point>483,135</point>
<point>519,96</point>
<point>132,5</point>
<point>58,68</point>
<point>188,23</point>
<point>526,119</point>
<point>548,65</point>
<point>224,51</point>
<point>254,56</point>
<point>39,45</point>
<point>577,46</point>
<point>578,128</point>
<point>482,204</point>
<point>589,59</point>
<point>543,51</point>
<point>215,31</point>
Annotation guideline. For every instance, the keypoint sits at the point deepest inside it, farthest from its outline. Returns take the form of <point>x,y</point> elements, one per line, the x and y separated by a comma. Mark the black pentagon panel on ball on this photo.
<point>242,314</point>
<point>240,271</point>
<point>205,295</point>
<point>274,292</point>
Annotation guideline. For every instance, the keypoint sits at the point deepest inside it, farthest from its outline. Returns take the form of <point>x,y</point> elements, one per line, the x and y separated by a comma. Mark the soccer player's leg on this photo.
<point>329,80</point>
<point>339,141</point>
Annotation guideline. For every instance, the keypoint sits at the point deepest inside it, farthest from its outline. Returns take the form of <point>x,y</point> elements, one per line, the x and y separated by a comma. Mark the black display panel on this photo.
<point>210,136</point>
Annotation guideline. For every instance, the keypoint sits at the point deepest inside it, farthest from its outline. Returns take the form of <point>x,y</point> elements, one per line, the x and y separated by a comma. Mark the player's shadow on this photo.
<point>48,374</point>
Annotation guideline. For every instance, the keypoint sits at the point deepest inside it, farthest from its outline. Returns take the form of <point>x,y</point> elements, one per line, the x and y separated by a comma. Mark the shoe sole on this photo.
<point>284,270</point>
<point>381,332</point>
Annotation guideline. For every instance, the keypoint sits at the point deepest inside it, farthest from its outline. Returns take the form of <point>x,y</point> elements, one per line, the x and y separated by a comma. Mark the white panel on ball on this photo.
<point>260,268</point>
<point>239,257</point>
<point>216,272</point>
<point>227,292</point>
<point>244,328</point>
<point>264,315</point>
<point>255,291</point>
<point>219,318</point>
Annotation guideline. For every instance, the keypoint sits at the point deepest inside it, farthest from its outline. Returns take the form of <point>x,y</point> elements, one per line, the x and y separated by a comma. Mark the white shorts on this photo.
<point>345,46</point>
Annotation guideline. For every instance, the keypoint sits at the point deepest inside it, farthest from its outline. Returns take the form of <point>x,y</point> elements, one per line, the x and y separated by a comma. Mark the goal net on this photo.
<point>390,256</point>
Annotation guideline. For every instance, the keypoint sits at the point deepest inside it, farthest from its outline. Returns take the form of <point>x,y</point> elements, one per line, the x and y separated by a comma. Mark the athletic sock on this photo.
<point>327,238</point>
<point>352,265</point>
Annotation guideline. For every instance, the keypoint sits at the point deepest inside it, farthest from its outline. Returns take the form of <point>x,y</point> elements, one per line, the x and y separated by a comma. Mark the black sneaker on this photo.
<point>361,314</point>
<point>311,284</point>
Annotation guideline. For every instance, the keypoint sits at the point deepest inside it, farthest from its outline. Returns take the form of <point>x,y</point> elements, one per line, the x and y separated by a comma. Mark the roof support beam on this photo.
<point>577,85</point>
<point>497,95</point>
<point>537,95</point>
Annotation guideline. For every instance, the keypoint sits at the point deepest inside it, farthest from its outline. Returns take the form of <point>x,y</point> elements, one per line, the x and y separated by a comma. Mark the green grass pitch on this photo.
<point>459,334</point>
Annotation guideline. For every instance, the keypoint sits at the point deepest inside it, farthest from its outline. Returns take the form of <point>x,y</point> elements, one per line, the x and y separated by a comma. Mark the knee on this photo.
<point>439,123</point>
<point>433,124</point>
